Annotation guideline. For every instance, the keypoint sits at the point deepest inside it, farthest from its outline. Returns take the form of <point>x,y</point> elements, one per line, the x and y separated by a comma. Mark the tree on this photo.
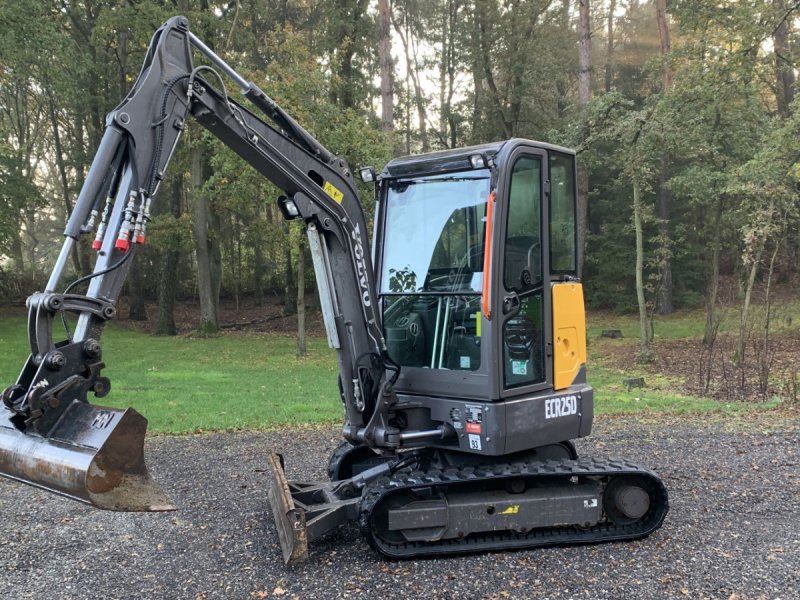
<point>665,304</point>
<point>207,246</point>
<point>784,63</point>
<point>167,233</point>
<point>584,94</point>
<point>301,293</point>
<point>387,66</point>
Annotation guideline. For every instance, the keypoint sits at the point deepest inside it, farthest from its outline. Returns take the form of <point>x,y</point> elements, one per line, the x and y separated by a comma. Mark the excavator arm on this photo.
<point>50,436</point>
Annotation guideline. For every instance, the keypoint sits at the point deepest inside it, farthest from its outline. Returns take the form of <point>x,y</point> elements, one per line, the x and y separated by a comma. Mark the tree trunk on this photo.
<point>387,65</point>
<point>784,66</point>
<point>741,343</point>
<point>169,270</point>
<point>80,178</point>
<point>563,82</point>
<point>584,52</point>
<point>258,269</point>
<point>137,311</point>
<point>17,252</point>
<point>412,69</point>
<point>713,282</point>
<point>408,109</point>
<point>485,46</point>
<point>645,331</point>
<point>584,94</point>
<point>301,297</point>
<point>206,248</point>
<point>477,84</point>
<point>765,362</point>
<point>290,293</point>
<point>62,172</point>
<point>665,289</point>
<point>350,14</point>
<point>612,6</point>
<point>665,303</point>
<point>29,218</point>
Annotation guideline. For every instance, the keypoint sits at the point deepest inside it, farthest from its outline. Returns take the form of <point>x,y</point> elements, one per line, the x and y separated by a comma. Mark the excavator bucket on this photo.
<point>93,454</point>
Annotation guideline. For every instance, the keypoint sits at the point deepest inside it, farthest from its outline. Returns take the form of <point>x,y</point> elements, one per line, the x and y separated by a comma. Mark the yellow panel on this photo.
<point>569,333</point>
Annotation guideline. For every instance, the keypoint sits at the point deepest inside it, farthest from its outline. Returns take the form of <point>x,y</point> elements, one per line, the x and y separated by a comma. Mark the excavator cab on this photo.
<point>476,260</point>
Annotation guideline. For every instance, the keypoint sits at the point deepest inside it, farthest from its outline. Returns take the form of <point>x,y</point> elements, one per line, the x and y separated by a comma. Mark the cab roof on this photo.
<point>456,159</point>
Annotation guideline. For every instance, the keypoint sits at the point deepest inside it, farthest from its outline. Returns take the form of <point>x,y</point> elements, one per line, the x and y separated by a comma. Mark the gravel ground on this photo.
<point>733,531</point>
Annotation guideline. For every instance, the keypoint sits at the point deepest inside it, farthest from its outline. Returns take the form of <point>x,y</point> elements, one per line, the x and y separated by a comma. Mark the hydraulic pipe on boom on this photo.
<point>50,436</point>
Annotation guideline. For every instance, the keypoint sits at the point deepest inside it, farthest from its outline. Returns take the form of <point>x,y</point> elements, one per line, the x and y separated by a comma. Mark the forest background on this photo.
<point>683,114</point>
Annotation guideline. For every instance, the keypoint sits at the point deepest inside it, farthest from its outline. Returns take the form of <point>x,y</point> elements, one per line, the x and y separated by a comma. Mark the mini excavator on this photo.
<point>460,337</point>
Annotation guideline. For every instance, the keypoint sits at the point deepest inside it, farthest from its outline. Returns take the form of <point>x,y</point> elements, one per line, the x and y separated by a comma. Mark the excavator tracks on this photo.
<point>427,490</point>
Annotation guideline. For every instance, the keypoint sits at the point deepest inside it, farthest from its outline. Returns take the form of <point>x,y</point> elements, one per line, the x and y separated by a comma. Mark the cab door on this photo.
<point>524,275</point>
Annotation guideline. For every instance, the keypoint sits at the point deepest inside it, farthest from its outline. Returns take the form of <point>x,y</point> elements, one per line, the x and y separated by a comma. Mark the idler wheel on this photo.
<point>632,501</point>
<point>625,501</point>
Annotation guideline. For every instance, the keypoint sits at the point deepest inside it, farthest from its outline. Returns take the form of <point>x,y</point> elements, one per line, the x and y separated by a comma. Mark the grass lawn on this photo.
<point>251,381</point>
<point>186,384</point>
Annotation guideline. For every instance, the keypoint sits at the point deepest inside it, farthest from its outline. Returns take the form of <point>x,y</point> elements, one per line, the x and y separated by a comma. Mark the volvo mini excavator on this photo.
<point>460,337</point>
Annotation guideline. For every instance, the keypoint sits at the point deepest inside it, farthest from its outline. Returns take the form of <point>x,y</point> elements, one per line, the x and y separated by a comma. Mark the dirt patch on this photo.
<point>267,317</point>
<point>711,371</point>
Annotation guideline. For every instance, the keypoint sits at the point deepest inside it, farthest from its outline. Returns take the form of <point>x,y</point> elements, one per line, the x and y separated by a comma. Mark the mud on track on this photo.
<point>733,531</point>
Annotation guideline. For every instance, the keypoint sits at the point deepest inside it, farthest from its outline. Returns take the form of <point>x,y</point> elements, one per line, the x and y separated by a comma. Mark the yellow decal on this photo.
<point>511,510</point>
<point>333,192</point>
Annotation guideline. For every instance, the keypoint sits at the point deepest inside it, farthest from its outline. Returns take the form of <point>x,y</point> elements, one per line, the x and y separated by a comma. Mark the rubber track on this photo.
<point>604,531</point>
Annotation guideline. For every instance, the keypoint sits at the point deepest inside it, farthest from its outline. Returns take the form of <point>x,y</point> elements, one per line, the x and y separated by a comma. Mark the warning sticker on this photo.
<point>473,414</point>
<point>519,367</point>
<point>333,191</point>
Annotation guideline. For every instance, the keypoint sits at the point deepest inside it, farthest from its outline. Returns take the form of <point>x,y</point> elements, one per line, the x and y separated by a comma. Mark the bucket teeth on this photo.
<point>93,454</point>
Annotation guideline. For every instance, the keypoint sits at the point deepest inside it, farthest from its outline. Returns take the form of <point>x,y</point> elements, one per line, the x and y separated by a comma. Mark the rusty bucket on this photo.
<point>289,519</point>
<point>93,454</point>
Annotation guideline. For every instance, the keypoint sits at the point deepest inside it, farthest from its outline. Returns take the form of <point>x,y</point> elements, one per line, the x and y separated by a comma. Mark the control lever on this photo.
<point>511,303</point>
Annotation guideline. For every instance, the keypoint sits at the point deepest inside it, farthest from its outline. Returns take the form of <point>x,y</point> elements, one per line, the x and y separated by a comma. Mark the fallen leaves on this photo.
<point>278,591</point>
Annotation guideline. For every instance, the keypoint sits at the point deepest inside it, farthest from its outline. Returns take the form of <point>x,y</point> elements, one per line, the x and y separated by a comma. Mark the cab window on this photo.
<point>563,248</point>
<point>523,263</point>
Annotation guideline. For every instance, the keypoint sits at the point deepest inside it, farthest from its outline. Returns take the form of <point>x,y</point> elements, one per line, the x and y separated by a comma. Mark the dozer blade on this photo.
<point>289,519</point>
<point>92,454</point>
